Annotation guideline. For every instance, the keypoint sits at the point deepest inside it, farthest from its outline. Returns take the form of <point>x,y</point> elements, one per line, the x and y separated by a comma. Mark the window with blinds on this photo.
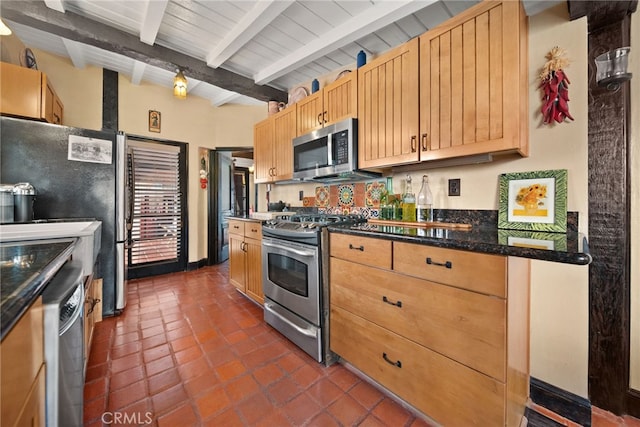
<point>157,206</point>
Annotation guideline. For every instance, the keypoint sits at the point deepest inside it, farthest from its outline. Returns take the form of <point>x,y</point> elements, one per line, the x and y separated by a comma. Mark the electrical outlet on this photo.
<point>301,195</point>
<point>454,187</point>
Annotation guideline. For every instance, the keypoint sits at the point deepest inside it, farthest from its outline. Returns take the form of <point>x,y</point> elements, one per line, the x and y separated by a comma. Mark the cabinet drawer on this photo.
<point>236,227</point>
<point>253,230</point>
<point>363,250</point>
<point>465,326</point>
<point>451,393</point>
<point>469,270</point>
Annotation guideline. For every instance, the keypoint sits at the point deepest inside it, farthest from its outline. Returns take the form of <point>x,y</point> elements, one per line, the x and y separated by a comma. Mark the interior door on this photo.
<point>221,204</point>
<point>158,231</point>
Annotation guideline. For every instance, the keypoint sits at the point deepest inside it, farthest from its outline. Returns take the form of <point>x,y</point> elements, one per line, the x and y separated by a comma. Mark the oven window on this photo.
<point>289,273</point>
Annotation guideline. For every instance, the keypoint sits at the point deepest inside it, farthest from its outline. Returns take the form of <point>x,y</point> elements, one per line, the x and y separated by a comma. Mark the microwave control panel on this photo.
<point>341,147</point>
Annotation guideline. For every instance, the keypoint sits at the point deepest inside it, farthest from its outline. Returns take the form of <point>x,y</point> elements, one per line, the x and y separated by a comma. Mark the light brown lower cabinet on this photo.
<point>445,330</point>
<point>245,258</point>
<point>22,372</point>
<point>92,313</point>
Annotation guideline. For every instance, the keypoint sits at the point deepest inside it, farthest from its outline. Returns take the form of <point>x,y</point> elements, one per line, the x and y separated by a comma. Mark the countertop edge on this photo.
<point>38,282</point>
<point>576,258</point>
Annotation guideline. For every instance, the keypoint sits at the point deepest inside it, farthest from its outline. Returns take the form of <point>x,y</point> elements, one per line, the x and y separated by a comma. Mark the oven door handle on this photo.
<point>306,332</point>
<point>295,251</point>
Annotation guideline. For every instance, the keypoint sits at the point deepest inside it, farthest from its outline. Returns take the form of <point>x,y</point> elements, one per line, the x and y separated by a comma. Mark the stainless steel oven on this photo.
<point>295,279</point>
<point>291,284</point>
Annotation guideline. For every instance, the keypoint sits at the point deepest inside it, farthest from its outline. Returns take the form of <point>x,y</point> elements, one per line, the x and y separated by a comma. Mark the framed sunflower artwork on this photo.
<point>534,201</point>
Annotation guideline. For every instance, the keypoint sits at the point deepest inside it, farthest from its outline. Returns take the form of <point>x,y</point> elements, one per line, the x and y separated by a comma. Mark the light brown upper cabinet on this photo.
<point>473,83</point>
<point>273,148</point>
<point>388,105</point>
<point>334,102</point>
<point>28,93</point>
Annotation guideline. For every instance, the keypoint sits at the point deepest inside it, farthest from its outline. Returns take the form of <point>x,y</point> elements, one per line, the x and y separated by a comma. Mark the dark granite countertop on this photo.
<point>569,248</point>
<point>25,269</point>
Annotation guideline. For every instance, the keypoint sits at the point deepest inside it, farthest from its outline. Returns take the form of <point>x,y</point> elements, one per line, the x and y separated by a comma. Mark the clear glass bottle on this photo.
<point>408,202</point>
<point>424,206</point>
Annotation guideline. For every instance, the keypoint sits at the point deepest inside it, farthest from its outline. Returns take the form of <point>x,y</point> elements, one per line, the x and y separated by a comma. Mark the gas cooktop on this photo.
<point>311,222</point>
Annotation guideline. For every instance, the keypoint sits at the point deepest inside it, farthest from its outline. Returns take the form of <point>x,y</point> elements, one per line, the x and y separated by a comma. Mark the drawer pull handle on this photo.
<point>236,226</point>
<point>397,304</point>
<point>391,362</point>
<point>357,248</point>
<point>432,262</point>
<point>253,230</point>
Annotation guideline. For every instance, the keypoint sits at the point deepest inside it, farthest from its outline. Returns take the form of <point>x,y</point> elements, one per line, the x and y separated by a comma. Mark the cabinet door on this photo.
<point>388,104</point>
<point>341,99</point>
<point>20,91</point>
<point>310,113</point>
<point>58,110</point>
<point>473,83</point>
<point>254,270</point>
<point>263,150</point>
<point>284,126</point>
<point>237,262</point>
<point>33,411</point>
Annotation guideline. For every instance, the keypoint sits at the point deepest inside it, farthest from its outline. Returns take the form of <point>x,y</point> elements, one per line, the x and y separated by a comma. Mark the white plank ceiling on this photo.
<point>276,43</point>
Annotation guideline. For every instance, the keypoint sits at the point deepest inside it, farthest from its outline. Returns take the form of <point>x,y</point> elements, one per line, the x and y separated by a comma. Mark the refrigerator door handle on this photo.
<point>121,185</point>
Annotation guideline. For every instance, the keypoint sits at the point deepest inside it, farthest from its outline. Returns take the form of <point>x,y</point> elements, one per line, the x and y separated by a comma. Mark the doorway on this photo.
<point>158,229</point>
<point>228,196</point>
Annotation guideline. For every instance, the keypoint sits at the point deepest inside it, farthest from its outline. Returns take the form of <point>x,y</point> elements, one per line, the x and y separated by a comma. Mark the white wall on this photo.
<point>559,292</point>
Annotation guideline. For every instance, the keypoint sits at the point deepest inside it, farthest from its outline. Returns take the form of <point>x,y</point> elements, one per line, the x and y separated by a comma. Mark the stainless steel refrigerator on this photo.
<point>37,153</point>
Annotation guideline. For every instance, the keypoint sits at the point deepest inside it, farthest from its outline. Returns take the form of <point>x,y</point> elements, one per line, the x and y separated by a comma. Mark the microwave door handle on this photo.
<point>330,149</point>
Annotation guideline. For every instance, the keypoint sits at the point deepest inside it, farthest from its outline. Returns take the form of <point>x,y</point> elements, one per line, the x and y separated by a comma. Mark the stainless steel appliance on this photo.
<point>63,301</point>
<point>295,279</point>
<point>124,216</point>
<point>329,154</point>
<point>38,153</point>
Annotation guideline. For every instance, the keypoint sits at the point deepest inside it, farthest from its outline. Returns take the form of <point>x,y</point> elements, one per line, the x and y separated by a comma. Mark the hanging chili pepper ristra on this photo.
<point>555,87</point>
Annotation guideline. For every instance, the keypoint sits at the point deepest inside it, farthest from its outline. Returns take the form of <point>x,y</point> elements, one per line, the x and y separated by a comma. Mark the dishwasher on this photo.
<point>63,301</point>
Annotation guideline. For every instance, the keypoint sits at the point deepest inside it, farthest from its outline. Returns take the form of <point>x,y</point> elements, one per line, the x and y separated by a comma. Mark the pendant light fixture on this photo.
<point>180,85</point>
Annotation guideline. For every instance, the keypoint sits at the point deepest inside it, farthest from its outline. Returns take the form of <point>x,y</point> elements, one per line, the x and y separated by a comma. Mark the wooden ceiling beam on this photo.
<point>601,13</point>
<point>77,28</point>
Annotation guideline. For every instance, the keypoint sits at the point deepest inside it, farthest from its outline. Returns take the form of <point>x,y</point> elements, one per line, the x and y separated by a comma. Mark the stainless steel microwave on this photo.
<point>329,154</point>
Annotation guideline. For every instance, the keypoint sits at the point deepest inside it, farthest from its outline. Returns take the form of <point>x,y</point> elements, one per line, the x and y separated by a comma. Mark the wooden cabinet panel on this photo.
<point>92,314</point>
<point>451,393</point>
<point>284,127</point>
<point>28,93</point>
<point>468,270</point>
<point>388,107</point>
<point>341,99</point>
<point>32,413</point>
<point>310,111</point>
<point>363,250</point>
<point>336,101</point>
<point>473,77</point>
<point>237,263</point>
<point>465,326</point>
<point>254,270</point>
<point>273,146</point>
<point>263,150</point>
<point>236,227</point>
<point>22,360</point>
<point>245,258</point>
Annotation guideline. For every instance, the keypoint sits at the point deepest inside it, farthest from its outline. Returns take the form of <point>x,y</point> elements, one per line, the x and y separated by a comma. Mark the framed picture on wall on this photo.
<point>154,121</point>
<point>535,201</point>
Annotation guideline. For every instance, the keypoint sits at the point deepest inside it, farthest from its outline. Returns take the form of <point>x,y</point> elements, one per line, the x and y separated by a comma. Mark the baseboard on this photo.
<point>196,265</point>
<point>562,402</point>
<point>536,419</point>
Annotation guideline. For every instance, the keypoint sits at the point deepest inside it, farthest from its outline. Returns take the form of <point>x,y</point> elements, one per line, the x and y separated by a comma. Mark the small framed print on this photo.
<point>535,201</point>
<point>154,121</point>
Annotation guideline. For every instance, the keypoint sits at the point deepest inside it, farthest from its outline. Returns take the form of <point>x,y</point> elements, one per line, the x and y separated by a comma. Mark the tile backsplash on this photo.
<point>361,198</point>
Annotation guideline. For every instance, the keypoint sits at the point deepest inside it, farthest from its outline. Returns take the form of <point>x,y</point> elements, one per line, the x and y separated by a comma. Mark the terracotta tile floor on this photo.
<point>191,351</point>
